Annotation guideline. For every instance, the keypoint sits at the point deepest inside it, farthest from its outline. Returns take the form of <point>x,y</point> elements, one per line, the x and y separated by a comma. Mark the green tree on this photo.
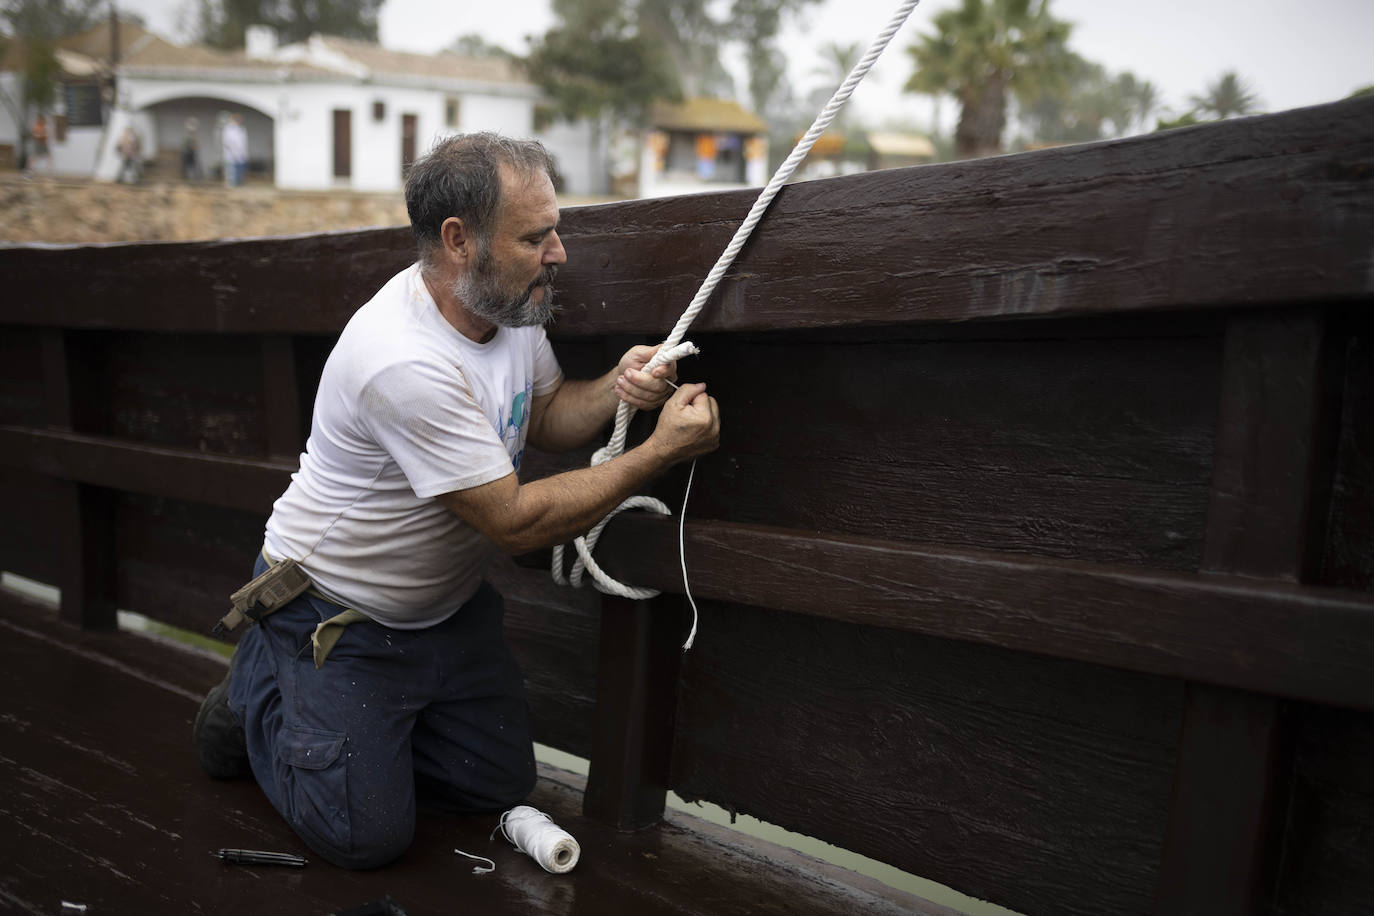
<point>474,45</point>
<point>983,52</point>
<point>595,62</point>
<point>691,36</point>
<point>756,23</point>
<point>681,39</point>
<point>223,23</point>
<point>33,28</point>
<point>1091,104</point>
<point>1141,96</point>
<point>1228,97</point>
<point>836,59</point>
<point>1187,119</point>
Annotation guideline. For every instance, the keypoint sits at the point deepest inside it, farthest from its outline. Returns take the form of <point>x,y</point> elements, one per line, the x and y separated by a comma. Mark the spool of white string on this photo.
<point>534,833</point>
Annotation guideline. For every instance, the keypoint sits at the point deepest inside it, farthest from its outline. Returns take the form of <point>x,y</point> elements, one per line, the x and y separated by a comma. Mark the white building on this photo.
<point>324,113</point>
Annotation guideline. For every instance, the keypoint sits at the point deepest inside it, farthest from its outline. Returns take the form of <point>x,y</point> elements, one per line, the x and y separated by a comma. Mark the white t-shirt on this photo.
<point>407,408</point>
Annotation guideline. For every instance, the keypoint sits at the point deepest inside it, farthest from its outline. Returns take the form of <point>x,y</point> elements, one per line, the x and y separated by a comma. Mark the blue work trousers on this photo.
<point>342,750</point>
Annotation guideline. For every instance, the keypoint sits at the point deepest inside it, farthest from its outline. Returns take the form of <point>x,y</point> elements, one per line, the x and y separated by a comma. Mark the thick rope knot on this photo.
<point>612,449</point>
<point>670,348</point>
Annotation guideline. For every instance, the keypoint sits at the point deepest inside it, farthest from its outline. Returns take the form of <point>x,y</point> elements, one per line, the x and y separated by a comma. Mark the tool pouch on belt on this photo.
<point>275,587</point>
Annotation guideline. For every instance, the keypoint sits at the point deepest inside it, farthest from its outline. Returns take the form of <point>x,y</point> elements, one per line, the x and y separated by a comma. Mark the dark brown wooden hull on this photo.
<point>1037,559</point>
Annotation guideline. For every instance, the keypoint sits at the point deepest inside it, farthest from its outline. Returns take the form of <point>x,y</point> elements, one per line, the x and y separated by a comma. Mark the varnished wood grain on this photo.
<point>1006,493</point>
<point>1266,517</point>
<point>106,806</point>
<point>1281,639</point>
<point>553,632</point>
<point>1037,784</point>
<point>1089,445</point>
<point>1329,845</point>
<point>1348,559</point>
<point>235,483</point>
<point>1248,211</point>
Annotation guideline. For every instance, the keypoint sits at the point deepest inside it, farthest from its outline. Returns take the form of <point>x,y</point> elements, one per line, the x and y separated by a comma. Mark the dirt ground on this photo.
<point>43,209</point>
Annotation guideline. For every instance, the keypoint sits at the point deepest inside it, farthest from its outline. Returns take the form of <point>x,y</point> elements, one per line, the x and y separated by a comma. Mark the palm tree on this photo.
<point>983,51</point>
<point>836,60</point>
<point>1228,97</point>
<point>1144,99</point>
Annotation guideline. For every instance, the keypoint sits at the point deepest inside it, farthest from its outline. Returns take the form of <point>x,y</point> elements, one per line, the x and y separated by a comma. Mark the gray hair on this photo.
<point>461,177</point>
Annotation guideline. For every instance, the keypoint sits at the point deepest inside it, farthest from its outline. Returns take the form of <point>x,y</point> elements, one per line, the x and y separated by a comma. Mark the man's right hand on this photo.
<point>688,424</point>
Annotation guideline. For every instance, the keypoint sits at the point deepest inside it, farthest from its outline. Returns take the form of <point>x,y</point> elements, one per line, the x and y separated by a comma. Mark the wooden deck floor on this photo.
<point>104,805</point>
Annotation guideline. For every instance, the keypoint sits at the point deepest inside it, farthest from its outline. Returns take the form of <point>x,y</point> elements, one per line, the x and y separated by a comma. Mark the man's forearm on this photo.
<point>554,510</point>
<point>577,414</point>
<point>522,517</point>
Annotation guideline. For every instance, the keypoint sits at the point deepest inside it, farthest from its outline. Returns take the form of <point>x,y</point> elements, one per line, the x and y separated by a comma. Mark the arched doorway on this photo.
<point>201,118</point>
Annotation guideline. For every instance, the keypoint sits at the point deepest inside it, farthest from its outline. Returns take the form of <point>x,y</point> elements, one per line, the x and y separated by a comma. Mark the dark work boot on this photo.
<point>220,744</point>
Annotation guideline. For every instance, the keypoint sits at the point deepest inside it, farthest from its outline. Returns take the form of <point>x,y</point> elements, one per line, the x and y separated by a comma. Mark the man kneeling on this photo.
<point>407,485</point>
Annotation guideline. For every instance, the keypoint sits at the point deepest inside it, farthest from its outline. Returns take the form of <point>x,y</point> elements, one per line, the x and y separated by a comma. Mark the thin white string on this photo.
<point>668,351</point>
<point>682,555</point>
<point>477,869</point>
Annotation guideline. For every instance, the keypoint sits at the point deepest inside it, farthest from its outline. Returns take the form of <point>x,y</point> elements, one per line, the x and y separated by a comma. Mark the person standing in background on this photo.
<point>234,141</point>
<point>190,152</point>
<point>130,156</point>
<point>40,143</point>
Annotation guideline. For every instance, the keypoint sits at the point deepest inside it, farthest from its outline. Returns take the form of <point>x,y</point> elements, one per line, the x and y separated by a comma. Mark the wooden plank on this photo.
<point>178,562</point>
<point>636,693</point>
<point>234,483</point>
<point>196,391</point>
<point>1220,856</point>
<point>1284,639</point>
<point>57,389</point>
<point>1263,211</point>
<point>83,515</point>
<point>303,284</point>
<point>30,543</point>
<point>1017,446</point>
<point>281,398</point>
<point>1328,844</point>
<point>552,630</point>
<point>1348,557</point>
<point>1075,230</point>
<point>22,393</point>
<point>102,791</point>
<point>1266,518</point>
<point>1034,783</point>
<point>1268,498</point>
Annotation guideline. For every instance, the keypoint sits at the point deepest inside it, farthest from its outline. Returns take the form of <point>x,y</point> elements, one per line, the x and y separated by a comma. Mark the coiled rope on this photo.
<point>673,346</point>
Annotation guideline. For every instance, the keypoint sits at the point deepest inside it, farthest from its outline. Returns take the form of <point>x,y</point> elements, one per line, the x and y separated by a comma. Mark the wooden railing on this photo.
<point>1038,556</point>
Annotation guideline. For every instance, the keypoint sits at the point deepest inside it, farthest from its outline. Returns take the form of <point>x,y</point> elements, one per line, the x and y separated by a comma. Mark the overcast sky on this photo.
<point>1290,53</point>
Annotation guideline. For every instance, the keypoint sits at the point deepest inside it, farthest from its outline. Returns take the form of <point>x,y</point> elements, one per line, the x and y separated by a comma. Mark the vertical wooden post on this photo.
<point>1270,488</point>
<point>85,514</point>
<point>636,694</point>
<point>636,698</point>
<point>281,397</point>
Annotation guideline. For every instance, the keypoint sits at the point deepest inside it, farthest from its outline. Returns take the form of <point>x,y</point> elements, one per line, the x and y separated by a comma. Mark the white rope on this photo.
<point>671,347</point>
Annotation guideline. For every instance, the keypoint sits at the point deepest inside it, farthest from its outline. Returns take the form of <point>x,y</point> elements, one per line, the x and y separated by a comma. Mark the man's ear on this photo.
<point>458,242</point>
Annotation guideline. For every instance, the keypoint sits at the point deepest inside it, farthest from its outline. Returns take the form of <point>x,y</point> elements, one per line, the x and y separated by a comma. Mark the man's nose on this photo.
<point>554,253</point>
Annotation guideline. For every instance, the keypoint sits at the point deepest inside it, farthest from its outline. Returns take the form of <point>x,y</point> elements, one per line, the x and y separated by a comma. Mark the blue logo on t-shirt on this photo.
<point>511,429</point>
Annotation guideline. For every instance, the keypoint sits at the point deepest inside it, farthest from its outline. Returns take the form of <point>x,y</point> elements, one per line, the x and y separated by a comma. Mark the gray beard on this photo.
<point>481,295</point>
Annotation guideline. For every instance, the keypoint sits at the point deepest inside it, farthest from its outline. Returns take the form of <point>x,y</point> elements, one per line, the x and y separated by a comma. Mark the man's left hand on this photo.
<point>641,389</point>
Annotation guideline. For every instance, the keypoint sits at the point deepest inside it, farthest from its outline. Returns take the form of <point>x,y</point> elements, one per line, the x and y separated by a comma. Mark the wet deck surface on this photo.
<point>103,804</point>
